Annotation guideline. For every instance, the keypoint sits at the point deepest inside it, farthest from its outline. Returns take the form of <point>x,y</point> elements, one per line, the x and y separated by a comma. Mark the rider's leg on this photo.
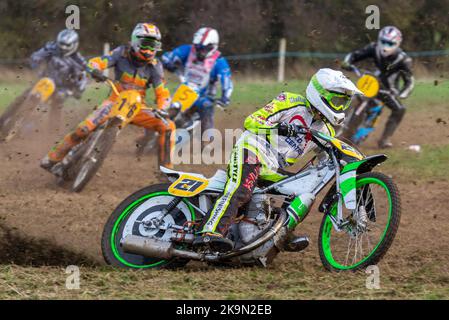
<point>165,128</point>
<point>397,113</point>
<point>98,117</point>
<point>243,171</point>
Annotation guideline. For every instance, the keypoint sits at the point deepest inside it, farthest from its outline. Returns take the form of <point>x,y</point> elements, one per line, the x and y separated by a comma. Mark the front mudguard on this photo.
<point>365,165</point>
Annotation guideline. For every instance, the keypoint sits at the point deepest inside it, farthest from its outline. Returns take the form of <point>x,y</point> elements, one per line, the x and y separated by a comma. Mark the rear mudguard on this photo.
<point>357,167</point>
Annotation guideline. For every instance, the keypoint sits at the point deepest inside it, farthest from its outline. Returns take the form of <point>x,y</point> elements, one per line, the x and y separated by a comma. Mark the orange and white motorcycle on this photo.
<point>81,164</point>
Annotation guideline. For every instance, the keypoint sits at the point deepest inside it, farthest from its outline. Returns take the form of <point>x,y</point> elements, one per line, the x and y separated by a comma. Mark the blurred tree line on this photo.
<point>245,26</point>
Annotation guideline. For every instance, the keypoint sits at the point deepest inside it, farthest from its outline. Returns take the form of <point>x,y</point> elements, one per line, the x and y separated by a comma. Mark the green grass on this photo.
<point>291,280</point>
<point>430,163</point>
<point>254,94</point>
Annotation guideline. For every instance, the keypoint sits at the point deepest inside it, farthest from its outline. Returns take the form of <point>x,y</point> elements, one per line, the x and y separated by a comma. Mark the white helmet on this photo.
<point>205,41</point>
<point>389,40</point>
<point>67,41</point>
<point>330,92</point>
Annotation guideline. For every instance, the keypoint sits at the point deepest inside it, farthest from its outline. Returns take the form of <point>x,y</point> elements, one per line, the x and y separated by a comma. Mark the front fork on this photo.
<point>337,222</point>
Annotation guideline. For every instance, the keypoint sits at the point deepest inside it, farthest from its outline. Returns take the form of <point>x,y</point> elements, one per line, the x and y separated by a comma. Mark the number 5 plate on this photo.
<point>187,186</point>
<point>186,96</point>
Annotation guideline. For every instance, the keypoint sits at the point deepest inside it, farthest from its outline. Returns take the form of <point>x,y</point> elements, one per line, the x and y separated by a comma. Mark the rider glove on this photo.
<point>98,75</point>
<point>287,130</point>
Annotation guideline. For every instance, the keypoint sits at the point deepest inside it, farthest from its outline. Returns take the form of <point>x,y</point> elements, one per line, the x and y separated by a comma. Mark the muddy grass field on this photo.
<point>44,229</point>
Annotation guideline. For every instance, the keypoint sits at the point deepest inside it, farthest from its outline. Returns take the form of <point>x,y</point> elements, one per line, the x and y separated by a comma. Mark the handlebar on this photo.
<point>161,114</point>
<point>112,85</point>
<point>302,130</point>
<point>359,72</point>
<point>356,70</point>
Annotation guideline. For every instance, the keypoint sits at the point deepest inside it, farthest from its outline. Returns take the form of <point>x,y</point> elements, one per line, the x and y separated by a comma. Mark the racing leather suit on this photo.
<point>129,76</point>
<point>391,69</point>
<point>260,154</point>
<point>67,72</point>
<point>202,75</point>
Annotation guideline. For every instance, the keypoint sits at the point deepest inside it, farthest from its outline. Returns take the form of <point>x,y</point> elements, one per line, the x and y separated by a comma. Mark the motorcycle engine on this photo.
<point>256,218</point>
<point>256,221</point>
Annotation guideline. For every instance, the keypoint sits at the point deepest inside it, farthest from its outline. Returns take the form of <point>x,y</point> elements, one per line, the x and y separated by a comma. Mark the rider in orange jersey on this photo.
<point>136,68</point>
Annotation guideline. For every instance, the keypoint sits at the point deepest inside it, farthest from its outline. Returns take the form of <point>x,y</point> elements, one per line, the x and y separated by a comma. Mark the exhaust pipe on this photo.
<point>148,247</point>
<point>155,248</point>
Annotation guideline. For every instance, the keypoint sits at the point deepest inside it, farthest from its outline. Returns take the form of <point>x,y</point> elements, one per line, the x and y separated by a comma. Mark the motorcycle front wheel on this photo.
<point>96,151</point>
<point>369,230</point>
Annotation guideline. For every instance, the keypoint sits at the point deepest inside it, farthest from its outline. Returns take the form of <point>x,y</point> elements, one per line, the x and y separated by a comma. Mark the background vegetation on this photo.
<point>245,26</point>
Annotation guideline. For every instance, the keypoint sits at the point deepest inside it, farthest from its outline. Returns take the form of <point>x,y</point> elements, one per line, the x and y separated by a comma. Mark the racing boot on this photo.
<point>47,164</point>
<point>213,241</point>
<point>54,167</point>
<point>390,128</point>
<point>385,144</point>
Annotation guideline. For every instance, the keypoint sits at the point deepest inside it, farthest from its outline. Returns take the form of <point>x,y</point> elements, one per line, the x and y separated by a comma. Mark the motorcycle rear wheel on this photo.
<point>125,219</point>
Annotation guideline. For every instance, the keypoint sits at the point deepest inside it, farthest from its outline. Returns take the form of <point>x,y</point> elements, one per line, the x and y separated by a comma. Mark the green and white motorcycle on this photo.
<point>155,226</point>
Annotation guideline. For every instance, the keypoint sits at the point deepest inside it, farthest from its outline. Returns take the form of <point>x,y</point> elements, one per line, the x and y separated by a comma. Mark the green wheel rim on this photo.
<point>326,236</point>
<point>129,209</point>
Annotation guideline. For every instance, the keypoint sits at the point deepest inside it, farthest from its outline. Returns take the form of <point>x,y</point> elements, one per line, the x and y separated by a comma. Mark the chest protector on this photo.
<point>197,73</point>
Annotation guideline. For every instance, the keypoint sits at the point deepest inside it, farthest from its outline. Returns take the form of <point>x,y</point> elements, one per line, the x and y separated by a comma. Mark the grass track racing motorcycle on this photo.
<point>155,226</point>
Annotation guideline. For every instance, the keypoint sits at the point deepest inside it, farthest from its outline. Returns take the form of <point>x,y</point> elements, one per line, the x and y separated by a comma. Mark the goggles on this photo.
<point>150,44</point>
<point>388,43</point>
<point>339,101</point>
<point>336,100</point>
<point>203,49</point>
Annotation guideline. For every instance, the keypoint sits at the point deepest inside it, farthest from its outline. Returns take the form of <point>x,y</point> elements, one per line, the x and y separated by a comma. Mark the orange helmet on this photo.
<point>145,41</point>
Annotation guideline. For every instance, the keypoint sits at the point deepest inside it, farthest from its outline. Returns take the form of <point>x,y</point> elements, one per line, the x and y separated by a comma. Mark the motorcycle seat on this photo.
<point>216,182</point>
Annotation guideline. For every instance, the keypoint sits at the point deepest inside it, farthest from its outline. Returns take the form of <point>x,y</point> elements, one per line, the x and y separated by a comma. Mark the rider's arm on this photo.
<point>325,128</point>
<point>41,55</point>
<point>359,55</point>
<point>409,80</point>
<point>269,116</point>
<point>172,60</point>
<point>160,90</point>
<point>106,61</point>
<point>223,73</point>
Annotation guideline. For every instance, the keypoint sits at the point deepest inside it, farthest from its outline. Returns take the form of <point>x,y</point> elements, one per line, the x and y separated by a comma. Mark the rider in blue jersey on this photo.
<point>201,65</point>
